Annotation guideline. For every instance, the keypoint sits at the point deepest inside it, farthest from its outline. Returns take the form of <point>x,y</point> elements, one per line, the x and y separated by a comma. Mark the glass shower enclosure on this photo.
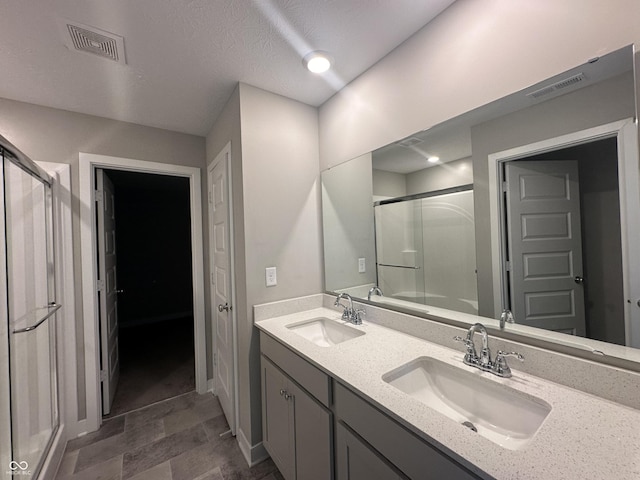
<point>29,416</point>
<point>425,249</point>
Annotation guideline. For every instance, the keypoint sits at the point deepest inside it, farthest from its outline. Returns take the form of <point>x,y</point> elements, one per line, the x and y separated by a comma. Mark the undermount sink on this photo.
<point>497,412</point>
<point>324,332</point>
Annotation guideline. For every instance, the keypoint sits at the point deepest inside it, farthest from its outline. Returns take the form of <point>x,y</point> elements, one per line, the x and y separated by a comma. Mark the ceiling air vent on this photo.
<point>567,82</point>
<point>84,38</point>
<point>409,142</point>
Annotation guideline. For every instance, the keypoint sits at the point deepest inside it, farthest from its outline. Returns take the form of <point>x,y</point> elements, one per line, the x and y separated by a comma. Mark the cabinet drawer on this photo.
<point>409,453</point>
<point>312,379</point>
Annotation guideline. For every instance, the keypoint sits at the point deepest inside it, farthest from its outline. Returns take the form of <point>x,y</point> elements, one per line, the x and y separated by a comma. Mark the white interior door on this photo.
<point>222,286</point>
<point>544,244</point>
<point>107,289</point>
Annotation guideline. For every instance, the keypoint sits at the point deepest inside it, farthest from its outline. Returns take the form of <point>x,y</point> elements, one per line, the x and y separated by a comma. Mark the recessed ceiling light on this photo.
<point>433,159</point>
<point>317,62</point>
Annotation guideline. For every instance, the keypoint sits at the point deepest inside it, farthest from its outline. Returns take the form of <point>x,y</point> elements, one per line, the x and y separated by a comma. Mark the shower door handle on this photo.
<point>53,308</point>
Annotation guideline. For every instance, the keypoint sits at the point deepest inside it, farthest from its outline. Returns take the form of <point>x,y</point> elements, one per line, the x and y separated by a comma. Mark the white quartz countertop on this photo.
<point>583,437</point>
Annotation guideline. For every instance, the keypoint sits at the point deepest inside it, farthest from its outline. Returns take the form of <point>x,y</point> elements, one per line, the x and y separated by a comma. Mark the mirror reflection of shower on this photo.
<point>425,249</point>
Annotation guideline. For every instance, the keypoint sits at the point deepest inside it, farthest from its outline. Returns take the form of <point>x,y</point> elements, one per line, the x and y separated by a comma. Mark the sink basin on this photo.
<point>497,412</point>
<point>324,332</point>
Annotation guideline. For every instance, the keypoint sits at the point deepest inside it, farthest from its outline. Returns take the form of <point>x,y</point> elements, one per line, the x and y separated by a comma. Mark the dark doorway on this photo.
<point>155,303</point>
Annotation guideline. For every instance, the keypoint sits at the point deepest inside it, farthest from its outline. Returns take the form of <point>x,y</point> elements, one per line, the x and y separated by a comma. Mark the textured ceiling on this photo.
<point>184,57</point>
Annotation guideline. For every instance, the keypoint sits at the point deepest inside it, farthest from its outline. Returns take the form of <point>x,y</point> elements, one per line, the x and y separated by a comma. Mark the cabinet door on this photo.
<point>277,419</point>
<point>313,434</point>
<point>357,461</point>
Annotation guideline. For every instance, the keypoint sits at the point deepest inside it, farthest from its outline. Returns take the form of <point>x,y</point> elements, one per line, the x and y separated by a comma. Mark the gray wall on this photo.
<point>585,108</point>
<point>51,135</point>
<point>277,202</point>
<point>388,184</point>
<point>347,213</point>
<point>461,61</point>
<point>447,175</point>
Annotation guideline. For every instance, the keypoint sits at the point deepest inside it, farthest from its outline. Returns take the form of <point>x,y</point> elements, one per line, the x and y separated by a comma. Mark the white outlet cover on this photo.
<point>271,276</point>
<point>362,266</point>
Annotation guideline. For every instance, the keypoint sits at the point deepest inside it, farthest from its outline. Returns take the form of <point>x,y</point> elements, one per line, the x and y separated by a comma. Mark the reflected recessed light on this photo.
<point>433,159</point>
<point>317,62</point>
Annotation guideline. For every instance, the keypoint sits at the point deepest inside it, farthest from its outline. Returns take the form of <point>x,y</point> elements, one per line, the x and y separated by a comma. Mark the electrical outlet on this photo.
<point>362,266</point>
<point>271,276</point>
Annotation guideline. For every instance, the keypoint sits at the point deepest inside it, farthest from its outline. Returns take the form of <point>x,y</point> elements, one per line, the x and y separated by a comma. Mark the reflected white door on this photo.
<point>107,289</point>
<point>545,245</point>
<point>221,285</point>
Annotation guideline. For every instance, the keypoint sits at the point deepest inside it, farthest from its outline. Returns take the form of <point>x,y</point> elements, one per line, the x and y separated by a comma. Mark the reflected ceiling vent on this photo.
<point>409,142</point>
<point>84,38</point>
<point>567,82</point>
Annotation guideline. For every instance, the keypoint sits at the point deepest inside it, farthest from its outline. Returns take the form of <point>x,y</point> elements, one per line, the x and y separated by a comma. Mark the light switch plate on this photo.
<point>362,266</point>
<point>271,276</point>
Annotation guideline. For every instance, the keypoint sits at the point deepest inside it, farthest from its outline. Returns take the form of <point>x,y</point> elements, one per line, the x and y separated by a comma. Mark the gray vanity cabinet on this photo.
<point>278,418</point>
<point>297,427</point>
<point>356,460</point>
<point>301,404</point>
<point>384,438</point>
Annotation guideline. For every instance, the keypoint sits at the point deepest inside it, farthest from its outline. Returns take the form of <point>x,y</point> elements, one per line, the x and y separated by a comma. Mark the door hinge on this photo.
<point>100,285</point>
<point>507,266</point>
<point>98,195</point>
<point>211,196</point>
<point>215,363</point>
<point>505,187</point>
<point>212,279</point>
<point>103,375</point>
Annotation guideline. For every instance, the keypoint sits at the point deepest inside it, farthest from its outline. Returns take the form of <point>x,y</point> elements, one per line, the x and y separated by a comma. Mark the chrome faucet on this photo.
<point>506,317</point>
<point>349,314</point>
<point>375,289</point>
<point>498,366</point>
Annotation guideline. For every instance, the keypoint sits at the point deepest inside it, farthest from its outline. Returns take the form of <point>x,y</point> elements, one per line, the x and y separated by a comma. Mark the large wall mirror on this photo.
<point>530,203</point>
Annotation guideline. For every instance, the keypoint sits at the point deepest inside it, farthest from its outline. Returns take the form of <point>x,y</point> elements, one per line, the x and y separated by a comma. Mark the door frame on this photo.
<point>220,157</point>
<point>88,164</point>
<point>625,131</point>
<point>65,318</point>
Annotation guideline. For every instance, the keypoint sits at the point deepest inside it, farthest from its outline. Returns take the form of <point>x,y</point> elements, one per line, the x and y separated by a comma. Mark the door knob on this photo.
<point>226,306</point>
<point>579,280</point>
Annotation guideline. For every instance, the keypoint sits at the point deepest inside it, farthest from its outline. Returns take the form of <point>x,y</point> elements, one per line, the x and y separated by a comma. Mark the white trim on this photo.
<point>626,133</point>
<point>65,295</point>
<point>630,229</point>
<point>253,454</point>
<point>225,153</point>
<point>88,164</point>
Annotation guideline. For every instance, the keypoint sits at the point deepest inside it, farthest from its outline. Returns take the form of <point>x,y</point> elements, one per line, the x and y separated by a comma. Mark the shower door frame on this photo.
<point>58,177</point>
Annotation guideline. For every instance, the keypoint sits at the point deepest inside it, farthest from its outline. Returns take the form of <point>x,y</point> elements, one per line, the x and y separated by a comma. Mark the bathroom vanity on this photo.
<point>369,402</point>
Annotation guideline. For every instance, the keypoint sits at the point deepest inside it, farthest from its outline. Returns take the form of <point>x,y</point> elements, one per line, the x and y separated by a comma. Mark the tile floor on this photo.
<point>157,362</point>
<point>177,439</point>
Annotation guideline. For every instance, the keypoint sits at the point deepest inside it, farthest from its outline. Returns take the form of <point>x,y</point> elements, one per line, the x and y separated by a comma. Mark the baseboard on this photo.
<point>253,454</point>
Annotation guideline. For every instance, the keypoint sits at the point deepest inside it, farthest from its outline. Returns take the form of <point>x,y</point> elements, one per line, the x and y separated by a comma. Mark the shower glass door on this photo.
<point>30,321</point>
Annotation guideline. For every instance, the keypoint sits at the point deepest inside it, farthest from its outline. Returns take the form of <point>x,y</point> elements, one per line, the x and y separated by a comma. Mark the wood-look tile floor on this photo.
<point>177,439</point>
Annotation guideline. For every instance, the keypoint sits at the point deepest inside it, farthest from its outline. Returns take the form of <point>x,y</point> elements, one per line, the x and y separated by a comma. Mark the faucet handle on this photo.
<point>465,340</point>
<point>471,348</point>
<point>502,355</point>
<point>500,366</point>
<point>357,316</point>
